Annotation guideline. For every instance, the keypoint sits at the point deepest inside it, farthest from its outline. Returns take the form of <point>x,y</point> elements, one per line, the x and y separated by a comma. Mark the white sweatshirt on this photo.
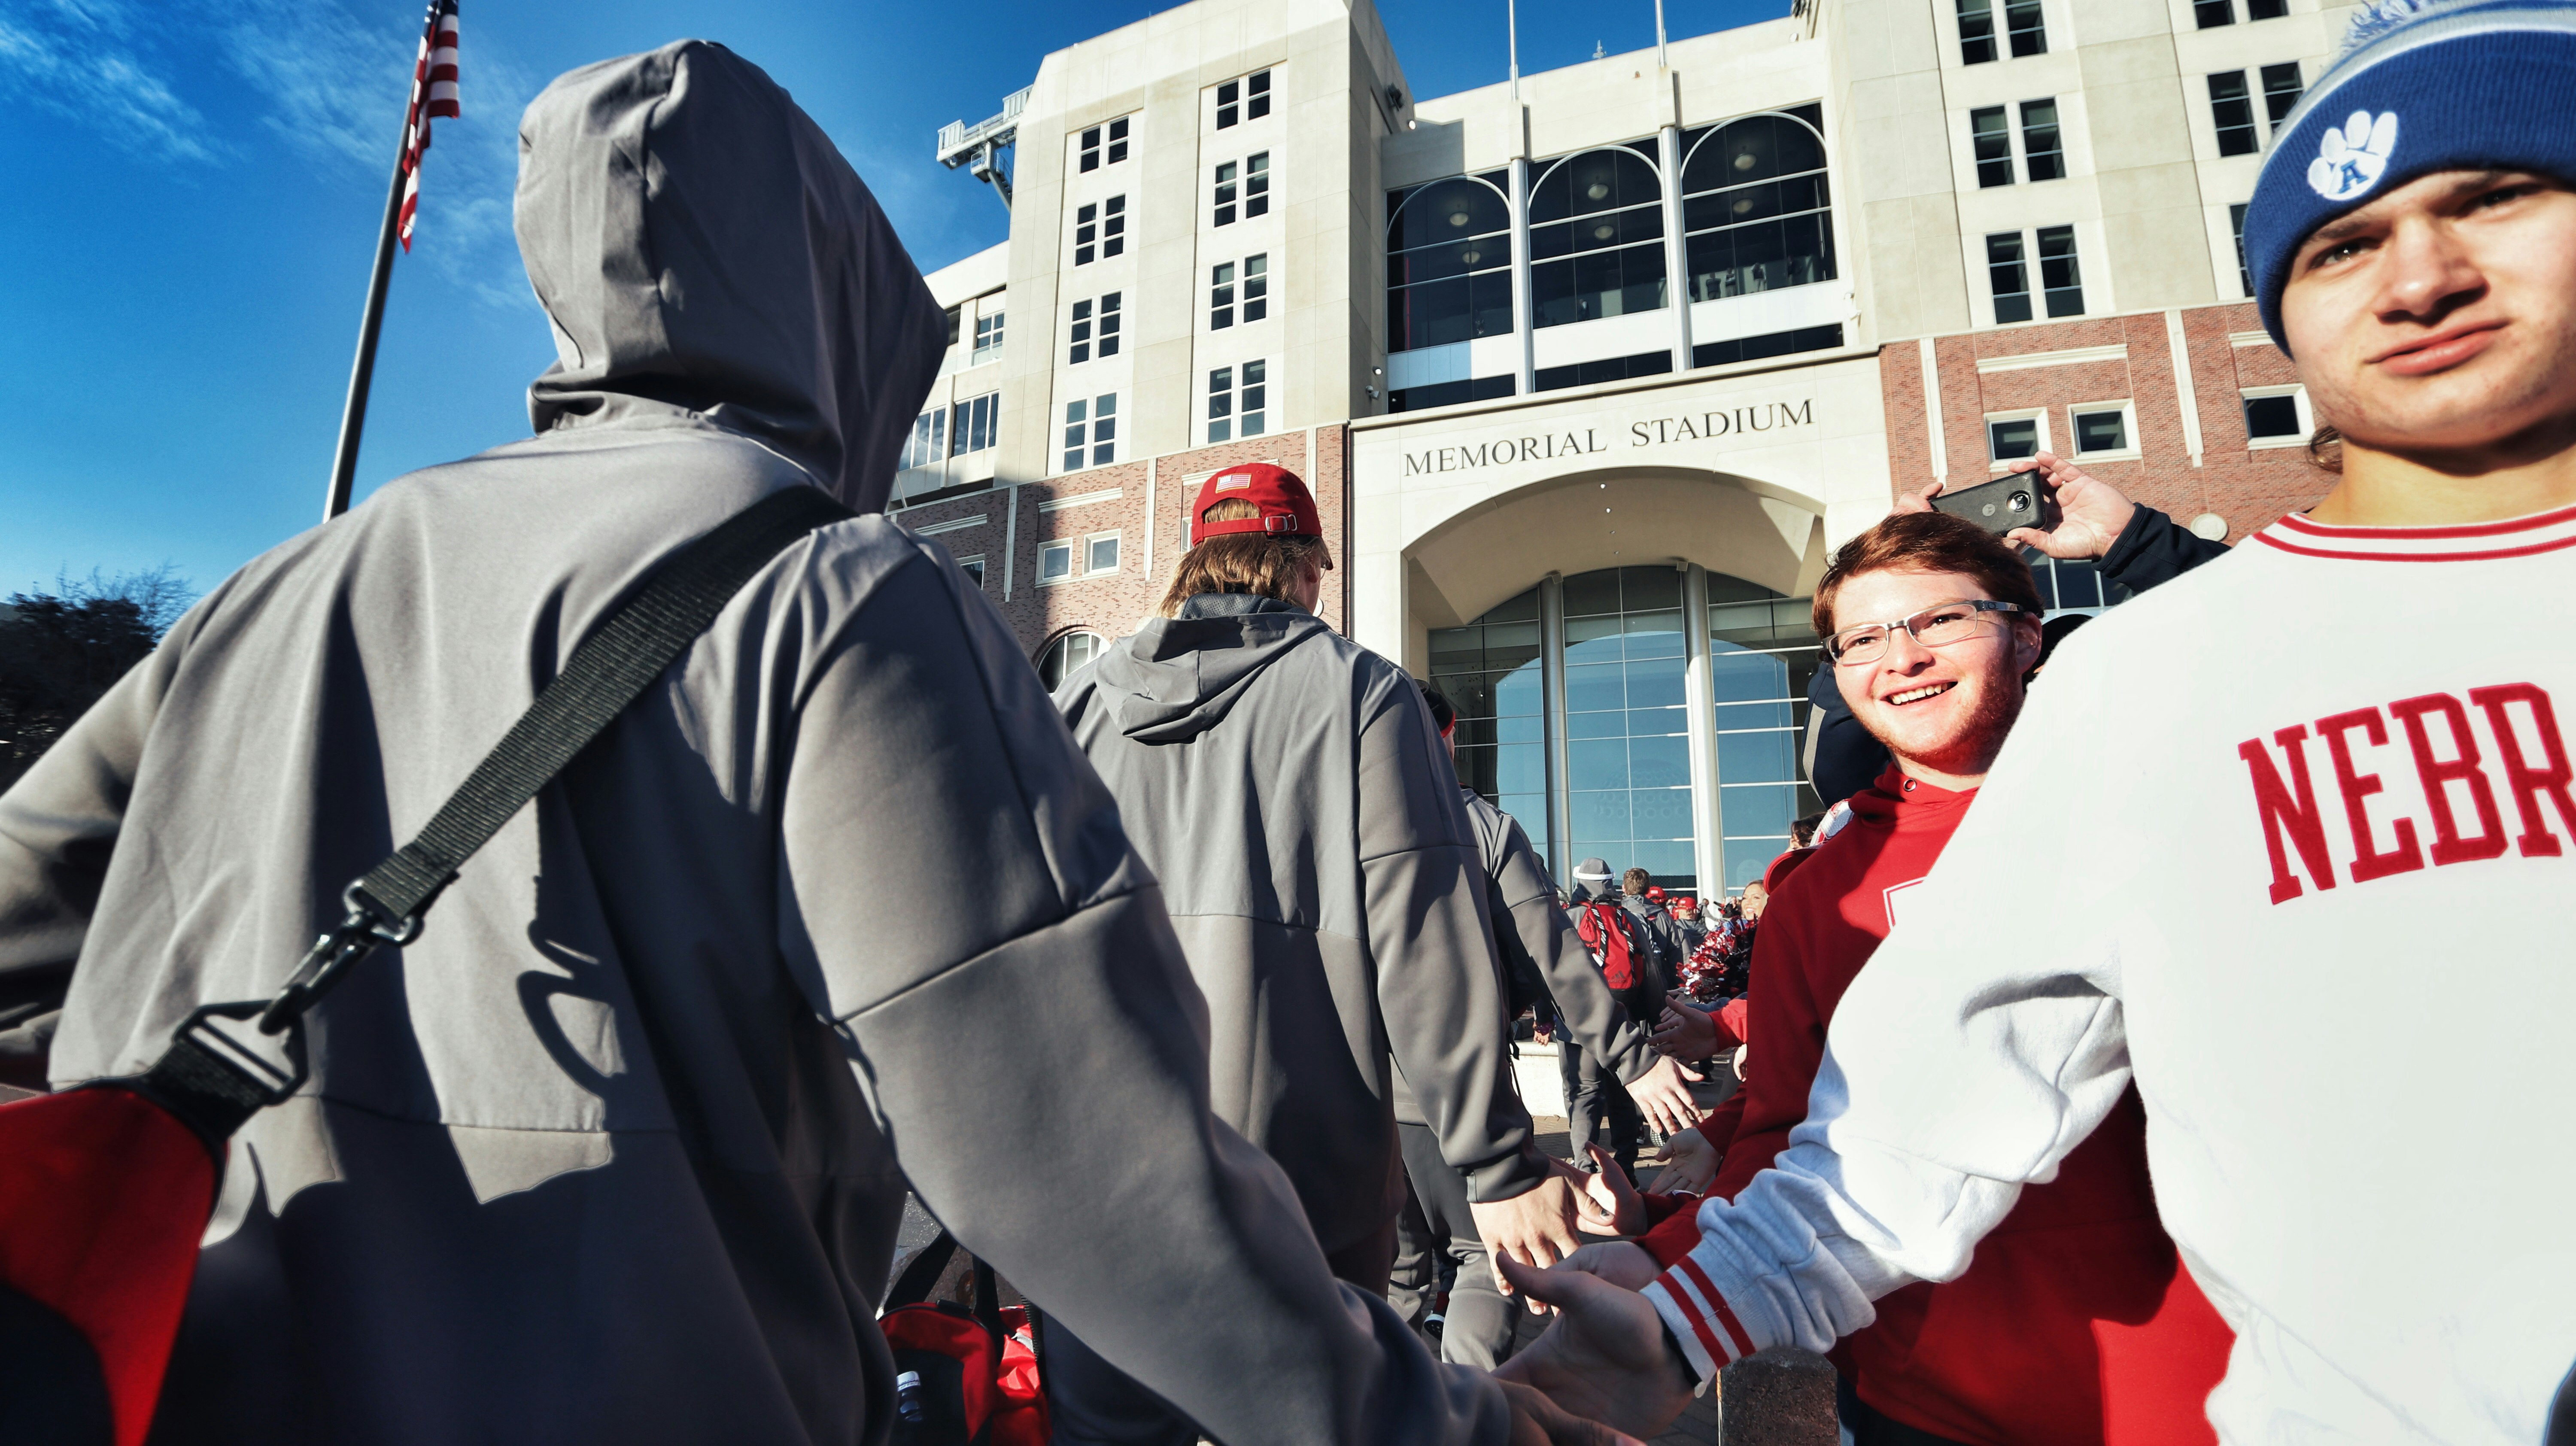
<point>2232,849</point>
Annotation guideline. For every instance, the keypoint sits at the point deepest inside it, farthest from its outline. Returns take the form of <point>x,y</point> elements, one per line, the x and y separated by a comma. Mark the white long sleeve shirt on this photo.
<point>2248,825</point>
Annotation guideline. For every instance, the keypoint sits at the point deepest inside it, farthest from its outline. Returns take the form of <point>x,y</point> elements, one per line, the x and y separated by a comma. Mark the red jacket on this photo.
<point>2075,1324</point>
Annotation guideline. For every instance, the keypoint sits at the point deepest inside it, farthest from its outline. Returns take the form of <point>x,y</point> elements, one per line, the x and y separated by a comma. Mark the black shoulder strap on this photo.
<point>215,1083</point>
<point>603,675</point>
<point>922,1276</point>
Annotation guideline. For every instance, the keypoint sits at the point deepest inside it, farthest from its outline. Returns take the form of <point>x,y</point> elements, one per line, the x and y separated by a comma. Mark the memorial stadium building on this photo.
<point>1590,370</point>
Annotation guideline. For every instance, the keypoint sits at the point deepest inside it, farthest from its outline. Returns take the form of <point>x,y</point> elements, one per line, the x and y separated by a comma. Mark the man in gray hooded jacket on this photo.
<point>1289,791</point>
<point>616,1150</point>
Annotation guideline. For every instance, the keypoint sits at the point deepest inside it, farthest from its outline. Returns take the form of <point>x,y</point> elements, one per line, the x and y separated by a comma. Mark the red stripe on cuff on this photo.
<point>1725,1316</point>
<point>1708,1340</point>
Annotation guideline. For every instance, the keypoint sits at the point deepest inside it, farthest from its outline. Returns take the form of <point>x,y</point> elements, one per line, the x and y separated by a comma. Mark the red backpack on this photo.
<point>1603,927</point>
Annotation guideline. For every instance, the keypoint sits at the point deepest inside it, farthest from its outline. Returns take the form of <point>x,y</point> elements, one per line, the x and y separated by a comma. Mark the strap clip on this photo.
<point>367,928</point>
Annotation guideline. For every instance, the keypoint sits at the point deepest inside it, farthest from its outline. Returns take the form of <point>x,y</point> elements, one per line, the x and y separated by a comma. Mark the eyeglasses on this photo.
<point>1934,627</point>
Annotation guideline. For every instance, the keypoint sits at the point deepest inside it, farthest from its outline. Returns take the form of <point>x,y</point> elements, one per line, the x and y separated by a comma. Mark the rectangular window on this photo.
<point>1221,296</point>
<point>1086,234</point>
<point>1256,287</point>
<point>2042,154</point>
<point>2267,9</point>
<point>1256,185</point>
<point>928,442</point>
<point>988,339</point>
<point>1104,430</point>
<point>1993,140</point>
<point>973,567</point>
<point>1976,31</point>
<point>1225,185</point>
<point>2006,274</point>
<point>2232,111</point>
<point>1256,95</point>
<point>2024,28</point>
<point>1113,226</point>
<point>2236,227</point>
<point>2010,437</point>
<point>952,325</point>
<point>2210,14</point>
<point>1080,334</point>
<point>1055,562</point>
<point>2282,88</point>
<point>2058,275</point>
<point>1100,552</point>
<point>1109,319</point>
<point>1243,100</point>
<point>1238,410</point>
<point>1116,135</point>
<point>2277,417</point>
<point>1077,432</point>
<point>2100,430</point>
<point>1229,103</point>
<point>977,425</point>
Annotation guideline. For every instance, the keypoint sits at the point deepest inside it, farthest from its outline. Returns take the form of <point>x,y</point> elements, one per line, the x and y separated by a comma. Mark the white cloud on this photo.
<point>85,61</point>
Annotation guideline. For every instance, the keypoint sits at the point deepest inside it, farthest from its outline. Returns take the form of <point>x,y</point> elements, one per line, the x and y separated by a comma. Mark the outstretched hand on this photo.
<point>1605,1357</point>
<point>1685,1032</point>
<point>1690,1163</point>
<point>1536,1227</point>
<point>1611,1202</point>
<point>1663,1096</point>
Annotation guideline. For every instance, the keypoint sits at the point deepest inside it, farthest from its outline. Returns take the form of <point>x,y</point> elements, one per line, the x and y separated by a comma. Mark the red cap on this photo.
<point>1655,892</point>
<point>1287,508</point>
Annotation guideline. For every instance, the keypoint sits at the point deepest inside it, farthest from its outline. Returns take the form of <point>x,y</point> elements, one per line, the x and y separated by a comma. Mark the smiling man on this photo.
<point>2356,718</point>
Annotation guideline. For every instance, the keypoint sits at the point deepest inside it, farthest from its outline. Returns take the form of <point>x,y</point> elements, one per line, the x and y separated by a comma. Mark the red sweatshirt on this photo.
<point>2076,1323</point>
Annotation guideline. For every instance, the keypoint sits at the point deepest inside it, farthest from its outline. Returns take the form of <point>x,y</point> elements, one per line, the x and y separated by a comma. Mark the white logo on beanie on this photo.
<point>2352,157</point>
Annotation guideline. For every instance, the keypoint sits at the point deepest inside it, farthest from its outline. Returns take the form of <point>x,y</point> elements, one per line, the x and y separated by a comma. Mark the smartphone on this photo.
<point>2016,499</point>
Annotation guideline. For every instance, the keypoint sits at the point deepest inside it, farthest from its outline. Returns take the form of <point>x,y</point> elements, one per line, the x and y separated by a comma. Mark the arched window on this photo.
<point>1596,237</point>
<point>1448,262</point>
<point>1755,208</point>
<point>1067,654</point>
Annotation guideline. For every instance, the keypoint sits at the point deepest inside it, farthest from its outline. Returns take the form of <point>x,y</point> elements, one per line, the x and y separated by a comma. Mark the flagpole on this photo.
<point>1512,23</point>
<point>353,416</point>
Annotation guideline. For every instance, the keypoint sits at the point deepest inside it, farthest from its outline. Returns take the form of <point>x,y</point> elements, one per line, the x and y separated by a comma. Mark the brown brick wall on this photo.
<point>2248,487</point>
<point>1114,605</point>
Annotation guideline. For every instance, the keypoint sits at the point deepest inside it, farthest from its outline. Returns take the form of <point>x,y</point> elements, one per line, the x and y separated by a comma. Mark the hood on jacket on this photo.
<point>704,251</point>
<point>1179,677</point>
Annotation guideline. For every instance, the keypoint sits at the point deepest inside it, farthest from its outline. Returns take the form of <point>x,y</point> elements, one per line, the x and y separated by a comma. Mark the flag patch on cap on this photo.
<point>1236,482</point>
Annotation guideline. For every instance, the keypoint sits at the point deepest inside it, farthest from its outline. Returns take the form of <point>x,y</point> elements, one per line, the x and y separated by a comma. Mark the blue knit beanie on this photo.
<point>2421,86</point>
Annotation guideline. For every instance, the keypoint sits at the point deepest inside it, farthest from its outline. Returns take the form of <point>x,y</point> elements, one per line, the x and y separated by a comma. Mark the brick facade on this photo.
<point>1147,504</point>
<point>2111,359</point>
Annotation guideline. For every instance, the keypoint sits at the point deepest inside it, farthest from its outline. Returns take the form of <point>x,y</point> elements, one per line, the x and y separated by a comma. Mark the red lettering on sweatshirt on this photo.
<point>2448,770</point>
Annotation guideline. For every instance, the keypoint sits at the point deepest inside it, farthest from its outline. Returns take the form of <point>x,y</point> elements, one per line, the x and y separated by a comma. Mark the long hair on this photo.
<point>1242,562</point>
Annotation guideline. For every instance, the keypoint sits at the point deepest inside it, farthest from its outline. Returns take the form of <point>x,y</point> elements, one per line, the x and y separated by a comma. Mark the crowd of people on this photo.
<point>1217,1070</point>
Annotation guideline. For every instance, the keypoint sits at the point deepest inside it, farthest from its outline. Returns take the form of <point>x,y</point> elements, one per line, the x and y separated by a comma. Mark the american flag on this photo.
<point>433,93</point>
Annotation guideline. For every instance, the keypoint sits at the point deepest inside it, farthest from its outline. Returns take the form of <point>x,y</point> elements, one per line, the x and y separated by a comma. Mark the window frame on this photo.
<point>2002,163</point>
<point>2231,116</point>
<point>1063,642</point>
<point>2056,152</point>
<point>1999,465</point>
<point>1084,417</point>
<point>2278,103</point>
<point>1091,553</point>
<point>928,441</point>
<point>2127,451</point>
<point>2307,417</point>
<point>1237,392</point>
<point>1048,551</point>
<point>2074,258</point>
<point>2021,263</point>
<point>988,337</point>
<point>1490,273</point>
<point>974,567</point>
<point>1700,241</point>
<point>964,422</point>
<point>1243,99</point>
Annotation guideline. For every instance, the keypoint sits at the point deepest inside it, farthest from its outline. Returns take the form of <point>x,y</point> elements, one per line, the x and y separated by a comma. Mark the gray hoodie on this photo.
<point>616,1151</point>
<point>1542,935</point>
<point>1287,787</point>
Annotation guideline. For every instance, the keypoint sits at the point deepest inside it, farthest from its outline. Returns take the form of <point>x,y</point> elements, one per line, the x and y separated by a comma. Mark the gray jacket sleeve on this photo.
<point>1543,932</point>
<point>1039,1063</point>
<point>1440,988</point>
<point>58,826</point>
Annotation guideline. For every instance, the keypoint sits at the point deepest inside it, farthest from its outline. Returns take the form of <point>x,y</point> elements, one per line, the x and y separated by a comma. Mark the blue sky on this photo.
<point>193,192</point>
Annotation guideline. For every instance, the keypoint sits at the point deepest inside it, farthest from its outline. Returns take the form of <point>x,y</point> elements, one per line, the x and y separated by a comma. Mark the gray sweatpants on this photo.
<point>1477,1327</point>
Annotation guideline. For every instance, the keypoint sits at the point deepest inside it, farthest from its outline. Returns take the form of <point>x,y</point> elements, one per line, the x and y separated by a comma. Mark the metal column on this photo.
<point>1676,255</point>
<point>1524,314</point>
<point>1551,675</point>
<point>1708,836</point>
